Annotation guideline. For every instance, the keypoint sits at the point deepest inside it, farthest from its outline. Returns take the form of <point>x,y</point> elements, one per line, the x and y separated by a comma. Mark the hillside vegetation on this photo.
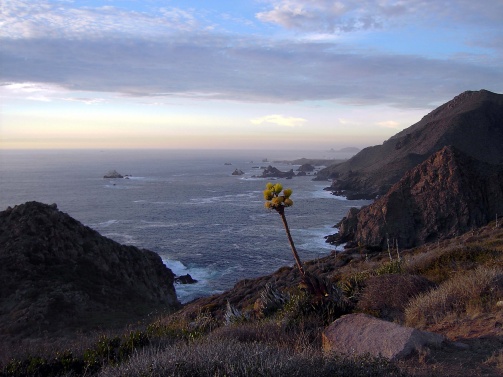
<point>269,326</point>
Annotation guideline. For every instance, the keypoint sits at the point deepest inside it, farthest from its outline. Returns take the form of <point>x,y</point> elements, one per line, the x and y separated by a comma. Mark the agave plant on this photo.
<point>278,201</point>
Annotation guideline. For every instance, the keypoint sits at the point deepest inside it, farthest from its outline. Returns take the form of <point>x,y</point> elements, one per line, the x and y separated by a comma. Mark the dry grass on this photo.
<point>467,293</point>
<point>216,356</point>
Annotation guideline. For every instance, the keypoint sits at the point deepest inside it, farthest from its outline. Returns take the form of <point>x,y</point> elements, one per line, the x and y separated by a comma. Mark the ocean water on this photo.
<point>184,205</point>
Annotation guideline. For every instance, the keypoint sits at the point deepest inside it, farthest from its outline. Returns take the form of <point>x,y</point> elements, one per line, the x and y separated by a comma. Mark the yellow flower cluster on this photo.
<point>273,198</point>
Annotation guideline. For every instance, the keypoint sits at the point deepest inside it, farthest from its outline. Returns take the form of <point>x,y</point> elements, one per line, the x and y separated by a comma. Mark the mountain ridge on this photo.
<point>471,122</point>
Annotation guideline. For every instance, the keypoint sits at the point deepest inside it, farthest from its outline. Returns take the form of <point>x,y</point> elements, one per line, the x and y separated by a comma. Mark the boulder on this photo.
<point>361,334</point>
<point>185,279</point>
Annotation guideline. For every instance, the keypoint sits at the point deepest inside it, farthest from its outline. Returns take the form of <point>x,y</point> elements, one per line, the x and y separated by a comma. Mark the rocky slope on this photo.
<point>472,122</point>
<point>447,195</point>
<point>59,277</point>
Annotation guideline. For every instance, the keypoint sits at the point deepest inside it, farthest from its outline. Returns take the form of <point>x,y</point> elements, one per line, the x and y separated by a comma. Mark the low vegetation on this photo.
<point>454,287</point>
<point>468,293</point>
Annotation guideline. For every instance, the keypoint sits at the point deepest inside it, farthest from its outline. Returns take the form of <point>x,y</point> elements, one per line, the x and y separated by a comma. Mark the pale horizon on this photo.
<point>268,74</point>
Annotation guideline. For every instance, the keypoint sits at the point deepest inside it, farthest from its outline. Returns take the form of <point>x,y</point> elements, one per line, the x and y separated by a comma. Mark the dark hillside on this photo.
<point>472,122</point>
<point>59,277</point>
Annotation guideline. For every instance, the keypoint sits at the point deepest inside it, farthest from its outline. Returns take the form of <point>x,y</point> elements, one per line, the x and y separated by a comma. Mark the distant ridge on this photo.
<point>471,122</point>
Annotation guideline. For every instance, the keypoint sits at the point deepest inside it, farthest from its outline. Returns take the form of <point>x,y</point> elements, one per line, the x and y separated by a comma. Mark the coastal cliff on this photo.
<point>445,196</point>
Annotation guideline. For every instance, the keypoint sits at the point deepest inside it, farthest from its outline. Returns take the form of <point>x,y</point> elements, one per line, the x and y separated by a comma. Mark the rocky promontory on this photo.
<point>59,277</point>
<point>445,196</point>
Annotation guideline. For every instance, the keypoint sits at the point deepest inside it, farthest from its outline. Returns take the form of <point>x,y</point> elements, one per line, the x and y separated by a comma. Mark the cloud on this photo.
<point>55,19</point>
<point>354,15</point>
<point>321,15</point>
<point>389,124</point>
<point>251,70</point>
<point>84,100</point>
<point>170,53</point>
<point>279,120</point>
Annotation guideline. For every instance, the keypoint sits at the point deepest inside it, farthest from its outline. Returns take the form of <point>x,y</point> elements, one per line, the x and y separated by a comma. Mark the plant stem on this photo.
<point>281,212</point>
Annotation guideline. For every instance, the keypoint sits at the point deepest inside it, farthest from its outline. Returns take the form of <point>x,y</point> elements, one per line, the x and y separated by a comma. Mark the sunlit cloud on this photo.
<point>389,124</point>
<point>87,101</point>
<point>279,120</point>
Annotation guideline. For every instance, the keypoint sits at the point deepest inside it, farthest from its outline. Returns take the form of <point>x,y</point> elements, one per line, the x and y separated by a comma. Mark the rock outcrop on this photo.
<point>113,174</point>
<point>447,195</point>
<point>272,172</point>
<point>306,168</point>
<point>472,122</point>
<point>238,172</point>
<point>362,334</point>
<point>185,279</point>
<point>59,277</point>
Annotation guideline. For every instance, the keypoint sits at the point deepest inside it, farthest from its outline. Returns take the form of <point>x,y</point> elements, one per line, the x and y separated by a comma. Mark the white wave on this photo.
<point>136,178</point>
<point>144,224</point>
<point>313,239</point>
<point>122,238</point>
<point>224,198</point>
<point>188,292</point>
<point>321,193</point>
<point>107,223</point>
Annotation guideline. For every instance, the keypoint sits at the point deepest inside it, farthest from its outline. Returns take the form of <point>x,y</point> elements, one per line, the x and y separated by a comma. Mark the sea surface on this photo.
<point>184,205</point>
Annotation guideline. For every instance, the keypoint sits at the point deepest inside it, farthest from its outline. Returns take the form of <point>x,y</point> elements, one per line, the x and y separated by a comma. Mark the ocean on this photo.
<point>184,205</point>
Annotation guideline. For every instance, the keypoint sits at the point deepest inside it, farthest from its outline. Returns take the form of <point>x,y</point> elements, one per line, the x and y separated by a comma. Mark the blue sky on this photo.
<point>293,74</point>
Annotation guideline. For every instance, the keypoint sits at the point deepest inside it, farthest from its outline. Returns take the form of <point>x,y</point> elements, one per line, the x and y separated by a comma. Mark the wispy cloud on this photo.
<point>84,100</point>
<point>279,120</point>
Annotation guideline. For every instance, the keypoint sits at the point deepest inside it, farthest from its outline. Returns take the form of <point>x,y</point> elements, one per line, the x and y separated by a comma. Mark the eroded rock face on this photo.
<point>59,277</point>
<point>447,195</point>
<point>361,334</point>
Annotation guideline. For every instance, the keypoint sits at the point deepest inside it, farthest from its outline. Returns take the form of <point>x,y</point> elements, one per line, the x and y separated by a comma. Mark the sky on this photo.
<point>247,74</point>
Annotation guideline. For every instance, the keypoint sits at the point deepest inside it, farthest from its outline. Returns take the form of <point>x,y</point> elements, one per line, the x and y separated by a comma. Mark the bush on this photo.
<point>471,292</point>
<point>386,296</point>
